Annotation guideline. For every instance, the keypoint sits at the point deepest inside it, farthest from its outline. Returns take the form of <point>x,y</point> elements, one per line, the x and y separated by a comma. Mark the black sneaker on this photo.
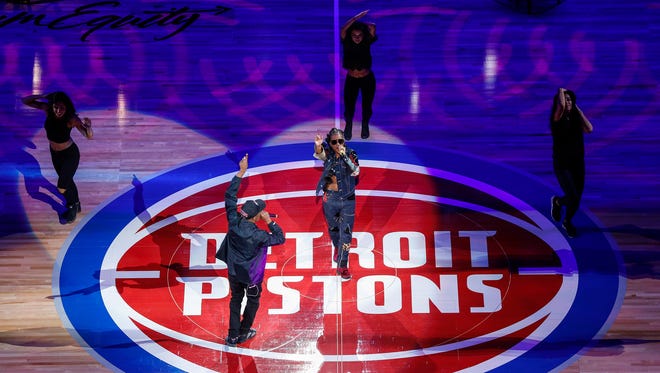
<point>555,208</point>
<point>231,341</point>
<point>249,335</point>
<point>344,273</point>
<point>570,229</point>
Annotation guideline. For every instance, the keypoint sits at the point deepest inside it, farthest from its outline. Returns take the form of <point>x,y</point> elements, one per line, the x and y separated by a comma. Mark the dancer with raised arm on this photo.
<point>356,39</point>
<point>568,124</point>
<point>61,118</point>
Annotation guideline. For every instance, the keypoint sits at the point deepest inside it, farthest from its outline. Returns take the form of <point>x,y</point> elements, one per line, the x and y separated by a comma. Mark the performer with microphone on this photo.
<point>337,185</point>
<point>244,250</point>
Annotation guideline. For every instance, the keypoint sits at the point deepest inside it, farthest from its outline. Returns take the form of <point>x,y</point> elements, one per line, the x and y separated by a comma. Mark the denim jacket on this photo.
<point>345,168</point>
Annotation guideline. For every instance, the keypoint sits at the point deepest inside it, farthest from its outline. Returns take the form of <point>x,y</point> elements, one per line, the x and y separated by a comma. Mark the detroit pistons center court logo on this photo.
<point>456,267</point>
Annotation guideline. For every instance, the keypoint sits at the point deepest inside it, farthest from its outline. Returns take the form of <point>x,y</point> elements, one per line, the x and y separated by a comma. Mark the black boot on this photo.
<point>365,131</point>
<point>71,212</point>
<point>348,131</point>
<point>69,215</point>
<point>570,229</point>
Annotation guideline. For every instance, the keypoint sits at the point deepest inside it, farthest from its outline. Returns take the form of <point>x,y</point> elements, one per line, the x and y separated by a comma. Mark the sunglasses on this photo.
<point>338,141</point>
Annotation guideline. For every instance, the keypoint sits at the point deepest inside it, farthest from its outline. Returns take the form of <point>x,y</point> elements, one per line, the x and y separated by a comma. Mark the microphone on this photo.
<point>272,215</point>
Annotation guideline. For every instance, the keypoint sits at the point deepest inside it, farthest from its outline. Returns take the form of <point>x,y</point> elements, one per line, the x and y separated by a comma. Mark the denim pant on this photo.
<point>340,216</point>
<point>238,290</point>
<point>571,180</point>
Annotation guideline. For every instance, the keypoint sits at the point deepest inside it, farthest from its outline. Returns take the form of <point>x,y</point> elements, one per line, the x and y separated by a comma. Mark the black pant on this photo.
<point>571,180</point>
<point>238,291</point>
<point>352,87</point>
<point>66,163</point>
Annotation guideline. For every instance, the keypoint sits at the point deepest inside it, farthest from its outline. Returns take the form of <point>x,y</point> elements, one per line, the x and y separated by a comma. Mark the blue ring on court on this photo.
<point>76,274</point>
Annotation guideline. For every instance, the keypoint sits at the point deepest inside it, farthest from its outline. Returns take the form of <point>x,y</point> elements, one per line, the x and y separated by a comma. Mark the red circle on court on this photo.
<point>429,273</point>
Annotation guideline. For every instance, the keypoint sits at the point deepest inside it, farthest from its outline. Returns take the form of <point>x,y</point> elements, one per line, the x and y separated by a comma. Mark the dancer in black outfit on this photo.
<point>356,39</point>
<point>244,250</point>
<point>568,123</point>
<point>61,117</point>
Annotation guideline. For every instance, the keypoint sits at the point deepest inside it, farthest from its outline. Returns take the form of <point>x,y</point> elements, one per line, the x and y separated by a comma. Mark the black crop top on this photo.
<point>57,130</point>
<point>357,56</point>
<point>567,140</point>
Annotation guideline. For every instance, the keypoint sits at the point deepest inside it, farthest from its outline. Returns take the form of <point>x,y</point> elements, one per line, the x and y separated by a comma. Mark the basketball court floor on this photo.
<point>456,262</point>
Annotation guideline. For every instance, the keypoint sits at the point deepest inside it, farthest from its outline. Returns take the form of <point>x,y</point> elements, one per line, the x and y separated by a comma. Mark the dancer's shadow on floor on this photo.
<point>154,264</point>
<point>641,259</point>
<point>94,287</point>
<point>652,234</point>
<point>34,180</point>
<point>163,242</point>
<point>614,347</point>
